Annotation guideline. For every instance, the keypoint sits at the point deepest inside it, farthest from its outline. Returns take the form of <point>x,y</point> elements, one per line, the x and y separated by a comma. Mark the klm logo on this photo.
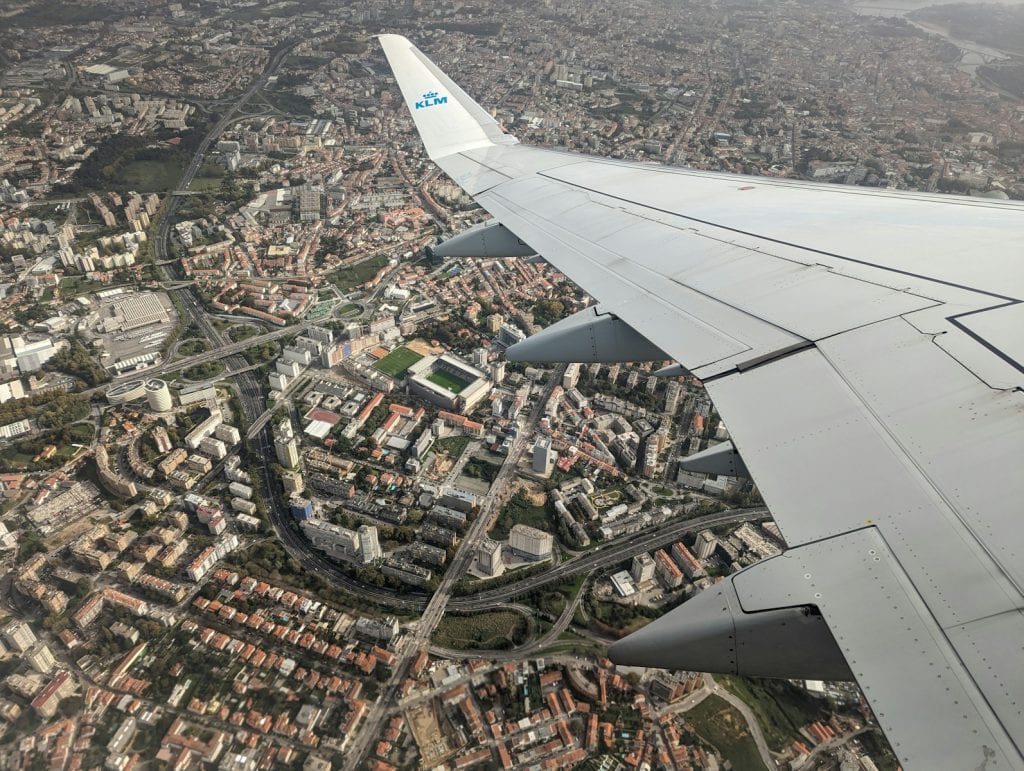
<point>431,99</point>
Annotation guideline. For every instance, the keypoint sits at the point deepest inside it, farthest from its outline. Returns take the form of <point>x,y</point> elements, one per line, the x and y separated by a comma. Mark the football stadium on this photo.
<point>448,382</point>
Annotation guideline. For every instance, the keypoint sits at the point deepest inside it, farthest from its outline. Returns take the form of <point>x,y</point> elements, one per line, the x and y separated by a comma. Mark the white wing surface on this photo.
<point>866,350</point>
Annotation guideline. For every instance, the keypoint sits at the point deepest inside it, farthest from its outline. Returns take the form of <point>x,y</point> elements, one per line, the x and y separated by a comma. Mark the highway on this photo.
<point>197,160</point>
<point>222,348</point>
<point>608,556</point>
<point>249,391</point>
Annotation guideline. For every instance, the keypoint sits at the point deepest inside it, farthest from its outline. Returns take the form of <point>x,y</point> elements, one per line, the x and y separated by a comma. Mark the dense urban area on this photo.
<point>272,496</point>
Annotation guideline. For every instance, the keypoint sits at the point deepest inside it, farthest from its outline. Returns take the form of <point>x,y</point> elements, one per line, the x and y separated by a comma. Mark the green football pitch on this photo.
<point>397,362</point>
<point>447,381</point>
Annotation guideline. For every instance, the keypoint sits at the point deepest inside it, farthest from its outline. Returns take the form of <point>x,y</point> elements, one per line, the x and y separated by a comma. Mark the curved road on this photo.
<point>741,706</point>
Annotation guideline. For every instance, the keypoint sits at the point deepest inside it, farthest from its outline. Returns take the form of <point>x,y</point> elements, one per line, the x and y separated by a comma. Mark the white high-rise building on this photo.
<point>705,544</point>
<point>488,555</point>
<point>41,658</point>
<point>286,446</point>
<point>571,377</point>
<point>672,393</point>
<point>19,636</point>
<point>498,372</point>
<point>8,540</point>
<point>509,335</point>
<point>543,456</point>
<point>642,568</point>
<point>359,546</point>
<point>158,395</point>
<point>369,545</point>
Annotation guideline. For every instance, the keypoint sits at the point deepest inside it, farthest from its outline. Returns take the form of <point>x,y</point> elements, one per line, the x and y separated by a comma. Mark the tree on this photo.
<point>31,545</point>
<point>76,360</point>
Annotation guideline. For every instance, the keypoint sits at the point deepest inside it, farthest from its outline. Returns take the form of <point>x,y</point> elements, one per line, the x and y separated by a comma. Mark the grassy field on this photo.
<point>152,176</point>
<point>242,332</point>
<point>397,362</point>
<point>352,276</point>
<point>192,347</point>
<point>447,381</point>
<point>72,286</point>
<point>206,371</point>
<point>517,512</point>
<point>454,446</point>
<point>481,469</point>
<point>494,630</point>
<point>721,726</point>
<point>780,707</point>
<point>209,178</point>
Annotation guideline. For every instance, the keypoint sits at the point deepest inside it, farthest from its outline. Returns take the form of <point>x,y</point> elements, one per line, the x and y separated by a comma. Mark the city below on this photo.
<point>274,497</point>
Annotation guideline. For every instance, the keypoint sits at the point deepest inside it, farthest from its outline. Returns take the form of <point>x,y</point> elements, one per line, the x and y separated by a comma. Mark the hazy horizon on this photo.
<point>899,7</point>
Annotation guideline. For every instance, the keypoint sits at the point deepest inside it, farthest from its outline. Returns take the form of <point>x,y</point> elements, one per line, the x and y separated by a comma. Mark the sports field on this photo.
<point>397,362</point>
<point>447,381</point>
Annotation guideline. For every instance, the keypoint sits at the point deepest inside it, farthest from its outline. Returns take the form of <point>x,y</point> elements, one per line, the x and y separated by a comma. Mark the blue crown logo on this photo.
<point>430,99</point>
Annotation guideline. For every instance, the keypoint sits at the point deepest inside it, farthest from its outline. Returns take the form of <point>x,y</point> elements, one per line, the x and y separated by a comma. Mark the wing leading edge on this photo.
<point>871,379</point>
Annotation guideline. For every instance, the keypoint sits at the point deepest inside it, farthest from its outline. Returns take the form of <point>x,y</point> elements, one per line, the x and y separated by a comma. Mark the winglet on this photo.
<point>448,120</point>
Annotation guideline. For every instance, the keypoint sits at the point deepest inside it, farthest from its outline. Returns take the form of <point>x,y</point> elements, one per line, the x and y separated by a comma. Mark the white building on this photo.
<point>498,372</point>
<point>360,547</point>
<point>488,555</point>
<point>379,629</point>
<point>204,429</point>
<point>623,584</point>
<point>215,448</point>
<point>285,445</point>
<point>227,434</point>
<point>8,540</point>
<point>19,636</point>
<point>544,457</point>
<point>705,544</point>
<point>41,658</point>
<point>642,568</point>
<point>158,395</point>
<point>530,543</point>
<point>369,545</point>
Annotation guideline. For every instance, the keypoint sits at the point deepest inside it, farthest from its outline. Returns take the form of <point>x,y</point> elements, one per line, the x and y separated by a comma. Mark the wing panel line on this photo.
<point>782,242</point>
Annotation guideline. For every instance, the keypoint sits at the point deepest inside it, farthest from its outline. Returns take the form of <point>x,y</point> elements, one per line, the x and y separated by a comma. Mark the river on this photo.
<point>973,54</point>
<point>902,7</point>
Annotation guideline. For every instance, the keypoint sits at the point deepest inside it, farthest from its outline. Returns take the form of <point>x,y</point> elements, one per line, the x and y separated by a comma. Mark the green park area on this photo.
<point>320,311</point>
<point>453,446</point>
<point>716,722</point>
<point>781,708</point>
<point>130,163</point>
<point>351,276</point>
<point>241,332</point>
<point>447,381</point>
<point>192,347</point>
<point>519,510</point>
<point>205,371</point>
<point>494,630</point>
<point>397,362</point>
<point>146,176</point>
<point>477,468</point>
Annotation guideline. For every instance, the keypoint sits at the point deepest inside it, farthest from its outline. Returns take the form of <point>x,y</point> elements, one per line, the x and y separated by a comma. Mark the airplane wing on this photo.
<point>866,350</point>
